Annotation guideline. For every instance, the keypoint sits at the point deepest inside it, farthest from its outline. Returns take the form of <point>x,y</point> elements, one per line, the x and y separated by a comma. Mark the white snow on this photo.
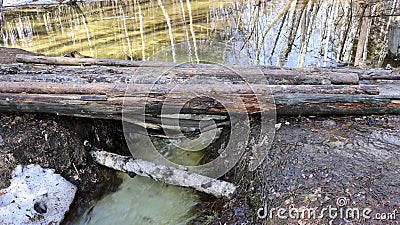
<point>35,196</point>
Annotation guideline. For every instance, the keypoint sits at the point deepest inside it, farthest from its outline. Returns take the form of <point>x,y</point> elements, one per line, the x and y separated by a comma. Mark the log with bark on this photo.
<point>99,91</point>
<point>147,72</point>
<point>166,174</point>
<point>1,13</point>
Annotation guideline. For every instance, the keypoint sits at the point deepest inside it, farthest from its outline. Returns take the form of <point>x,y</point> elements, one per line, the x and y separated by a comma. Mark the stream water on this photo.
<point>141,200</point>
<point>274,32</point>
<point>287,33</point>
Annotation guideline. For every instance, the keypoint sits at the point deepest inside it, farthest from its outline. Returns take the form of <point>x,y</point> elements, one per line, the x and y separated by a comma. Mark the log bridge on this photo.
<point>96,88</point>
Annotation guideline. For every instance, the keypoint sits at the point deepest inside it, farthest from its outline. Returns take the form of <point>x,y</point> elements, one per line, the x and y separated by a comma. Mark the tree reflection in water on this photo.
<point>292,33</point>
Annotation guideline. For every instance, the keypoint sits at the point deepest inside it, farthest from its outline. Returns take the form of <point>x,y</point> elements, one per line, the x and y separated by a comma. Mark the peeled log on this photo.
<point>166,174</point>
<point>119,89</point>
<point>147,72</point>
<point>85,61</point>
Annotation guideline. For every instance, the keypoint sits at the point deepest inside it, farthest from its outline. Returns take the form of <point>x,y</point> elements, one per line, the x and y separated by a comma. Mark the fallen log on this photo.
<point>165,174</point>
<point>380,76</point>
<point>87,61</point>
<point>99,91</point>
<point>111,108</point>
<point>120,89</point>
<point>147,72</point>
<point>370,74</point>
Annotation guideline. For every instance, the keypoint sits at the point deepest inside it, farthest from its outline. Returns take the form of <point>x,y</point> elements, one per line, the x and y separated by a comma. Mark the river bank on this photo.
<point>313,162</point>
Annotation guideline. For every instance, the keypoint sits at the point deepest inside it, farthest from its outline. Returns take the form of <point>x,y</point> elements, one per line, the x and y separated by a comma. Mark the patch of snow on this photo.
<point>35,196</point>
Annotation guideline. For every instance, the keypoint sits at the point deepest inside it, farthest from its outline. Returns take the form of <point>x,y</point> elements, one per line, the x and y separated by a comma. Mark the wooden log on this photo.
<point>339,77</point>
<point>151,70</point>
<point>111,108</point>
<point>186,89</point>
<point>98,91</point>
<point>87,61</point>
<point>276,76</point>
<point>165,174</point>
<point>303,104</point>
<point>381,76</point>
<point>369,74</point>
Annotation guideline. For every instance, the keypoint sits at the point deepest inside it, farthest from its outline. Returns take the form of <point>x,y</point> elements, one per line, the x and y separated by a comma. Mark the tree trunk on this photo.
<point>149,71</point>
<point>363,37</point>
<point>1,13</point>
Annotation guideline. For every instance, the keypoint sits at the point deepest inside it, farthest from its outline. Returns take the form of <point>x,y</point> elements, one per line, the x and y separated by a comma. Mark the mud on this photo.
<point>313,163</point>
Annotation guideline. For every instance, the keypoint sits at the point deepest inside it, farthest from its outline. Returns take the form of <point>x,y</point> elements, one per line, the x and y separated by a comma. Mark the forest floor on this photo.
<point>343,162</point>
<point>315,162</point>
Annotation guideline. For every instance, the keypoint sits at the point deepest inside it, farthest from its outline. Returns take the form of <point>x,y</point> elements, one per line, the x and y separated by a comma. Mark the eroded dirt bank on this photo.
<point>61,143</point>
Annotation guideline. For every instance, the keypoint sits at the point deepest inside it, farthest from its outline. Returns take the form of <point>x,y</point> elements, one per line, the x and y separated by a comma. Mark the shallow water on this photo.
<point>270,33</point>
<point>141,200</point>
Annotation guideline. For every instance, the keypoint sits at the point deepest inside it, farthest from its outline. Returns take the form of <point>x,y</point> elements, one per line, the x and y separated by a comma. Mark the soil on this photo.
<point>61,143</point>
<point>314,161</point>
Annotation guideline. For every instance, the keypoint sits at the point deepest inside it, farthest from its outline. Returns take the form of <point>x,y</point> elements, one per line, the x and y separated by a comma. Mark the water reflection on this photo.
<point>285,33</point>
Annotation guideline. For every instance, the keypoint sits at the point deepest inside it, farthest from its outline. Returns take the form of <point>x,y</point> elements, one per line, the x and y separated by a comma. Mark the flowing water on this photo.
<point>288,33</point>
<point>141,200</point>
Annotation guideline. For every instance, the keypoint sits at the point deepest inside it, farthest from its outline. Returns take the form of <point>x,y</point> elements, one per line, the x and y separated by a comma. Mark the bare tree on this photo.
<point>363,36</point>
<point>189,7</point>
<point>333,14</point>
<point>306,32</point>
<point>281,13</point>
<point>384,50</point>
<point>295,22</point>
<point>1,14</point>
<point>128,41</point>
<point>137,5</point>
